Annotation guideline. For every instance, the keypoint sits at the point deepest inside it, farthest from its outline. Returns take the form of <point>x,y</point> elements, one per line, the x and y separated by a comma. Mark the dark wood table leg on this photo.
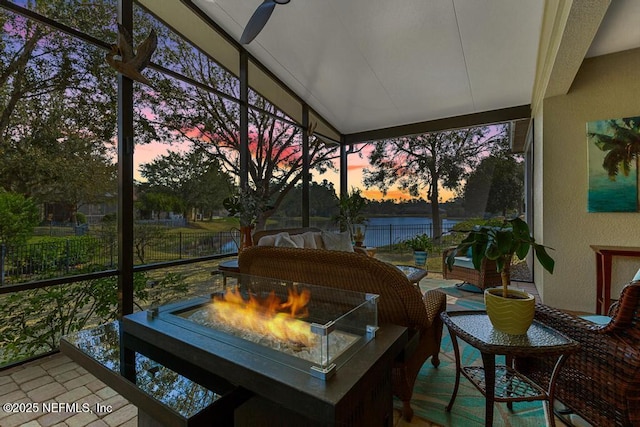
<point>489,363</point>
<point>599,283</point>
<point>607,261</point>
<point>509,362</point>
<point>456,351</point>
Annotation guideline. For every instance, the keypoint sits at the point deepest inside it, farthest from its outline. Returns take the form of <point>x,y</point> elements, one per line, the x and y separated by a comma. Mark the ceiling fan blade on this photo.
<point>257,21</point>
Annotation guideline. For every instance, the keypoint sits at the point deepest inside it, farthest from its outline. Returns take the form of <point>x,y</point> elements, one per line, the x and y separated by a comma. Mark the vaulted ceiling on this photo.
<point>367,64</point>
<point>373,64</point>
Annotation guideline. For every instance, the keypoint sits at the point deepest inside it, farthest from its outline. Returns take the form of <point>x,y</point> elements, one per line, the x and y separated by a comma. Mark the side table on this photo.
<point>367,250</point>
<point>227,268</point>
<point>414,274</point>
<point>502,383</point>
<point>604,263</point>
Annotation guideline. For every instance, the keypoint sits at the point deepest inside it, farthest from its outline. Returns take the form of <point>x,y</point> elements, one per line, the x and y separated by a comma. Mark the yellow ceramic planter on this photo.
<point>510,315</point>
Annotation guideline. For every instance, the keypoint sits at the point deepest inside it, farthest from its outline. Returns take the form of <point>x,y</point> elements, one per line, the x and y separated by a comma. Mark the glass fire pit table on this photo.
<point>502,383</point>
<point>247,383</point>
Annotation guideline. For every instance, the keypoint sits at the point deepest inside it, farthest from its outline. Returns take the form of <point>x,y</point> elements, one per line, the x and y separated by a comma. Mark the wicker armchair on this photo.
<point>400,301</point>
<point>601,382</point>
<point>486,277</point>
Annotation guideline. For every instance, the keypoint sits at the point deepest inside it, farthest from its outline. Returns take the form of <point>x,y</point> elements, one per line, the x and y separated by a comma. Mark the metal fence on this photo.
<point>75,255</point>
<point>80,254</point>
<point>390,234</point>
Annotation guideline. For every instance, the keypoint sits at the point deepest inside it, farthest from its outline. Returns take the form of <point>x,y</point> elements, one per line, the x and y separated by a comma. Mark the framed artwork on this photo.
<point>614,160</point>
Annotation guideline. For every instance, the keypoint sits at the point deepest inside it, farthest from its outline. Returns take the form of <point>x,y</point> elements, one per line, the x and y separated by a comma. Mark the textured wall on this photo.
<point>605,87</point>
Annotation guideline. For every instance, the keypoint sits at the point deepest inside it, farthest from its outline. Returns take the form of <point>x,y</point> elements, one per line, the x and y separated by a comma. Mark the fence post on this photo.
<point>3,253</point>
<point>66,264</point>
<point>111,246</point>
<point>180,246</point>
<point>391,236</point>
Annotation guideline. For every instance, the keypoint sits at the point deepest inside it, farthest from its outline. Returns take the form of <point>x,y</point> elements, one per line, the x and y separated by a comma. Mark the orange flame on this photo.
<point>269,316</point>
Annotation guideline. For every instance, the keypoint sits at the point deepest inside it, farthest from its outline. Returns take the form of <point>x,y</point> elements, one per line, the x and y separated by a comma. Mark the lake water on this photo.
<point>380,231</point>
<point>383,231</point>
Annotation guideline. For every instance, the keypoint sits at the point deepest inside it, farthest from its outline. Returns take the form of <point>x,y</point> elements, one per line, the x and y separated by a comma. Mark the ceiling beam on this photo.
<point>464,121</point>
<point>569,28</point>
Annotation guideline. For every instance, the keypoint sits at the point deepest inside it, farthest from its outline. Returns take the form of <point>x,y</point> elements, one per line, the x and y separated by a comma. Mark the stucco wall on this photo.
<point>606,87</point>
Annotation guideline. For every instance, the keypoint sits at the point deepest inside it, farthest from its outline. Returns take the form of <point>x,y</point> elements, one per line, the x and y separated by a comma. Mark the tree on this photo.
<point>18,217</point>
<point>426,162</point>
<point>212,122</point>
<point>150,202</point>
<point>189,181</point>
<point>323,200</point>
<point>495,186</point>
<point>63,169</point>
<point>58,104</point>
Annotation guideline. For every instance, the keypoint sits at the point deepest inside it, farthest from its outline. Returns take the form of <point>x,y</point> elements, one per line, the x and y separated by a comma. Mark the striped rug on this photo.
<point>434,385</point>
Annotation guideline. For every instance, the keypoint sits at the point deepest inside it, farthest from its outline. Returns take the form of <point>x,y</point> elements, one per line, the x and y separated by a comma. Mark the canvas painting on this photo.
<point>614,160</point>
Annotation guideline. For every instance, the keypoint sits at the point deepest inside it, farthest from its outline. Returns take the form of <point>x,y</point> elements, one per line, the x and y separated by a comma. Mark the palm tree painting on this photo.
<point>614,163</point>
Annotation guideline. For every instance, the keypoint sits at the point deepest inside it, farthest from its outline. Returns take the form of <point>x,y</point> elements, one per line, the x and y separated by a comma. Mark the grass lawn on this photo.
<point>214,225</point>
<point>405,257</point>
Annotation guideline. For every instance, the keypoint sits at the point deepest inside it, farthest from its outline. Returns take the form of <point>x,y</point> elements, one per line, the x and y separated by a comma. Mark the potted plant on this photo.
<point>421,244</point>
<point>350,217</point>
<point>500,244</point>
<point>358,234</point>
<point>247,207</point>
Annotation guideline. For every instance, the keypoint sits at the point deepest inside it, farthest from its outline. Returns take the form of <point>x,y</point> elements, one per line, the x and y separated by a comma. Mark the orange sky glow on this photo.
<point>148,152</point>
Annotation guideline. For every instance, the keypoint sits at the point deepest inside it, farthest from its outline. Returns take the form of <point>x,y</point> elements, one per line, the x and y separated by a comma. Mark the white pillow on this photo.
<point>307,240</point>
<point>317,238</point>
<point>267,240</point>
<point>297,239</point>
<point>636,277</point>
<point>337,241</point>
<point>283,240</point>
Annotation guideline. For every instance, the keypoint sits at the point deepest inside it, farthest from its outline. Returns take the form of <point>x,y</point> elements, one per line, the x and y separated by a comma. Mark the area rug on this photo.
<point>434,385</point>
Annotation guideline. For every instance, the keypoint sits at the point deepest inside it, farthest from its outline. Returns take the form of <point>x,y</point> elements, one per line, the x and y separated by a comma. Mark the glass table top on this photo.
<point>476,328</point>
<point>185,397</point>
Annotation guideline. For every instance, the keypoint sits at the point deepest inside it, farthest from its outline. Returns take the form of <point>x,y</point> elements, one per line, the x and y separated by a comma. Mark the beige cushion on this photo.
<point>317,237</point>
<point>305,240</point>
<point>337,241</point>
<point>283,240</point>
<point>271,239</point>
<point>267,240</point>
<point>297,239</point>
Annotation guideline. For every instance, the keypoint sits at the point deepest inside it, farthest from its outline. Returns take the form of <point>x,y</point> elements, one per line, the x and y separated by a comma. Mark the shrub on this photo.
<point>420,242</point>
<point>33,321</point>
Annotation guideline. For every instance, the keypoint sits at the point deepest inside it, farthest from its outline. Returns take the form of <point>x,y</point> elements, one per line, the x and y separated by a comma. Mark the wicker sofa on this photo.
<point>601,382</point>
<point>400,301</point>
<point>486,277</point>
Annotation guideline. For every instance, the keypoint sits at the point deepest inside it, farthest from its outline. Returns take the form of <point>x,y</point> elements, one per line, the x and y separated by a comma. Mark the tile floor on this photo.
<point>58,381</point>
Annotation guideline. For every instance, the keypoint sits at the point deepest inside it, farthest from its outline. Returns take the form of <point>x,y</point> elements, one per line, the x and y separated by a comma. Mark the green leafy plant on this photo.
<point>246,206</point>
<point>419,242</point>
<point>18,217</point>
<point>350,208</point>
<point>35,319</point>
<point>500,244</point>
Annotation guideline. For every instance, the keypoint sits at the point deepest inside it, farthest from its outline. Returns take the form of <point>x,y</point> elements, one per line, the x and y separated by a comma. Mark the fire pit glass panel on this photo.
<point>307,327</point>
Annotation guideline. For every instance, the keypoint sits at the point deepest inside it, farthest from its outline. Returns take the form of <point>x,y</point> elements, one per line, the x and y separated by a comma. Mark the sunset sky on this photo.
<point>148,152</point>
